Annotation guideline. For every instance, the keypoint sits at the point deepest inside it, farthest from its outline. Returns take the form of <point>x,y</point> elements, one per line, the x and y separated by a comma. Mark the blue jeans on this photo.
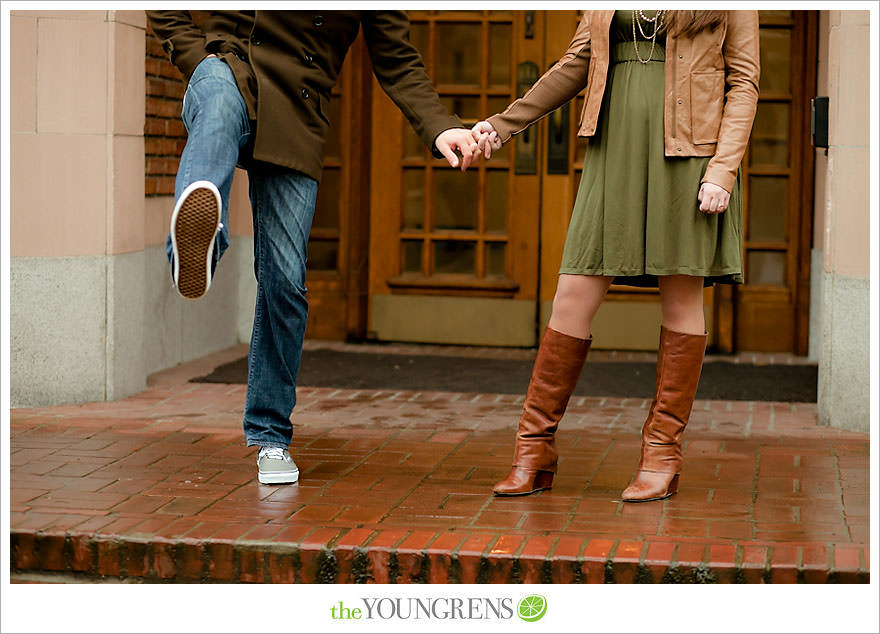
<point>282,204</point>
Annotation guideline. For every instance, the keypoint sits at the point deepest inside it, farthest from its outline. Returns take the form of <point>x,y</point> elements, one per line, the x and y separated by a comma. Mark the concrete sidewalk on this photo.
<point>396,486</point>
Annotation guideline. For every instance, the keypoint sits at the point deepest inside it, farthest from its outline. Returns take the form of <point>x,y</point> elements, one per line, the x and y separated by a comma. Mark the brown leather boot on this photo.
<point>679,363</point>
<point>557,367</point>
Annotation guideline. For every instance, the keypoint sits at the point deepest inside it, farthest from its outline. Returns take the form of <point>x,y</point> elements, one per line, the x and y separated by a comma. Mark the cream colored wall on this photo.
<point>846,241</point>
<point>77,113</point>
<point>841,255</point>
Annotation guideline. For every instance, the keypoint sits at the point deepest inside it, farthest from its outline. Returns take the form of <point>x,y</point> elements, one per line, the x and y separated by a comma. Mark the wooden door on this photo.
<point>770,312</point>
<point>473,258</point>
<point>454,256</point>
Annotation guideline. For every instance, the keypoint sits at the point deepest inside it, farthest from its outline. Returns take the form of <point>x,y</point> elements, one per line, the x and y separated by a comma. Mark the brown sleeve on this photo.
<point>742,71</point>
<point>182,40</point>
<point>565,79</point>
<point>399,68</point>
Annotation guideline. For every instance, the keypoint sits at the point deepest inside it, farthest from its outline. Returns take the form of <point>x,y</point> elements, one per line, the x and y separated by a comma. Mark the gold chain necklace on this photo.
<point>657,20</point>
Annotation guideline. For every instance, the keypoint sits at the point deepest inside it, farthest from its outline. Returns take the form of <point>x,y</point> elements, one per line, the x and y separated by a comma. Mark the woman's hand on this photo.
<point>713,199</point>
<point>487,138</point>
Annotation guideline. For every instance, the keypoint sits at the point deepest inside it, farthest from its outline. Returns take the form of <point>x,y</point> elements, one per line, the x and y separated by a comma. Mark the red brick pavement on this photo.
<point>396,486</point>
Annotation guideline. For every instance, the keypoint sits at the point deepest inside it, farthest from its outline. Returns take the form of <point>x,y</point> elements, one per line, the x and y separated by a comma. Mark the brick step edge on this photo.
<point>187,560</point>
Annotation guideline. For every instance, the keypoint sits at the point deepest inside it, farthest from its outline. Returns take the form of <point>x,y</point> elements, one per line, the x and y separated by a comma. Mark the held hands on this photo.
<point>487,138</point>
<point>713,199</point>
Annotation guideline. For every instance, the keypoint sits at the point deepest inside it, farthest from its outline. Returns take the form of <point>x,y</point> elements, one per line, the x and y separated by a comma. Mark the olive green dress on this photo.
<point>636,215</point>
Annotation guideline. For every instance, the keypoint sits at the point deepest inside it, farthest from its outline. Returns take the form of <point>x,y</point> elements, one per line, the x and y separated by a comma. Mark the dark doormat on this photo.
<point>375,371</point>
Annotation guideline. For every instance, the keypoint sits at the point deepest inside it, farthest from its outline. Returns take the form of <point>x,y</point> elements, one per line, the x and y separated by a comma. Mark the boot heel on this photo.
<point>543,480</point>
<point>673,486</point>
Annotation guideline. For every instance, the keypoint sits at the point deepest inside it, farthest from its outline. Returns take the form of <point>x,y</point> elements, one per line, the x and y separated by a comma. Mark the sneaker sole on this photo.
<point>193,229</point>
<point>284,477</point>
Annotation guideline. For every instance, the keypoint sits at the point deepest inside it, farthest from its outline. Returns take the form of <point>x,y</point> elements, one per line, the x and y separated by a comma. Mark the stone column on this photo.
<point>77,205</point>
<point>841,255</point>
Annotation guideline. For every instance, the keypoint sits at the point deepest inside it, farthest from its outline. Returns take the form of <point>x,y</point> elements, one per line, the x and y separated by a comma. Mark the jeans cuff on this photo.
<point>258,443</point>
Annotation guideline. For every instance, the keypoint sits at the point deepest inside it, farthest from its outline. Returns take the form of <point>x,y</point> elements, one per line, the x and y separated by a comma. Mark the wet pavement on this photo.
<point>396,485</point>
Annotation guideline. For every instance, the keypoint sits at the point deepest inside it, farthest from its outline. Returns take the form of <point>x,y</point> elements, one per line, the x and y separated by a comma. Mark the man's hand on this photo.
<point>457,139</point>
<point>487,138</point>
<point>713,199</point>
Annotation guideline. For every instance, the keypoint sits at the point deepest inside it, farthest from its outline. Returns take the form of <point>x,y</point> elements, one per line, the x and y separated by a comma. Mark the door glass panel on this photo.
<point>766,268</point>
<point>467,108</point>
<point>775,47</point>
<point>418,36</point>
<point>458,58</point>
<point>499,54</point>
<point>327,204</point>
<point>323,254</point>
<point>495,259</point>
<point>412,256</point>
<point>455,199</point>
<point>770,135</point>
<point>767,211</point>
<point>467,53</point>
<point>454,256</point>
<point>496,200</point>
<point>413,198</point>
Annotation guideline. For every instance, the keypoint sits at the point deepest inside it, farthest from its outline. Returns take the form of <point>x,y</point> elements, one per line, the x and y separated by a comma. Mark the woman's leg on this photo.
<point>679,362</point>
<point>681,298</point>
<point>560,358</point>
<point>577,299</point>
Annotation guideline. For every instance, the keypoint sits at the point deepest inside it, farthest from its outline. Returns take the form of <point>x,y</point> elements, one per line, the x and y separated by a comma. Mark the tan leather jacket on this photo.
<point>711,90</point>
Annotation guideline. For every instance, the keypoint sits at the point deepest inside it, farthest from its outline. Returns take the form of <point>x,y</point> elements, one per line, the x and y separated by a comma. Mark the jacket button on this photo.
<point>256,41</point>
<point>305,93</point>
<point>309,59</point>
<point>318,20</point>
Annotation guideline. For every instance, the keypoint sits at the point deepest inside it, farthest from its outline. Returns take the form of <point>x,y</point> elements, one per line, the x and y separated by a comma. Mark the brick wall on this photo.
<point>164,134</point>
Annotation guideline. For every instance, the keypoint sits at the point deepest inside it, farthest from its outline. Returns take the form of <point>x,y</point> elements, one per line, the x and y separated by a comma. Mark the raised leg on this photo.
<point>218,128</point>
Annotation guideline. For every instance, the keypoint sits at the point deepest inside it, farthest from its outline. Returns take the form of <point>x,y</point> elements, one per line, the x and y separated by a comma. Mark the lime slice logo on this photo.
<point>532,608</point>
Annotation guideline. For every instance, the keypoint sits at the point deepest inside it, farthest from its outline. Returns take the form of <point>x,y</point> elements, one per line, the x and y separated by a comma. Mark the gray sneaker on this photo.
<point>276,466</point>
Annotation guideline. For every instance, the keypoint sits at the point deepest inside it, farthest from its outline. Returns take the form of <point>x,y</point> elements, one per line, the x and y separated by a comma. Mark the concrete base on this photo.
<point>57,327</point>
<point>844,360</point>
<point>91,328</point>
<point>76,329</point>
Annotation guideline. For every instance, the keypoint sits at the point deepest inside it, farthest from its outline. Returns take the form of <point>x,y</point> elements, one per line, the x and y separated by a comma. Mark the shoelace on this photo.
<point>276,453</point>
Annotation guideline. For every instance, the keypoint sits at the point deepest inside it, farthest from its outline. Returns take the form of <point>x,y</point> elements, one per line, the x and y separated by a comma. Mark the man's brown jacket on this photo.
<point>286,62</point>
